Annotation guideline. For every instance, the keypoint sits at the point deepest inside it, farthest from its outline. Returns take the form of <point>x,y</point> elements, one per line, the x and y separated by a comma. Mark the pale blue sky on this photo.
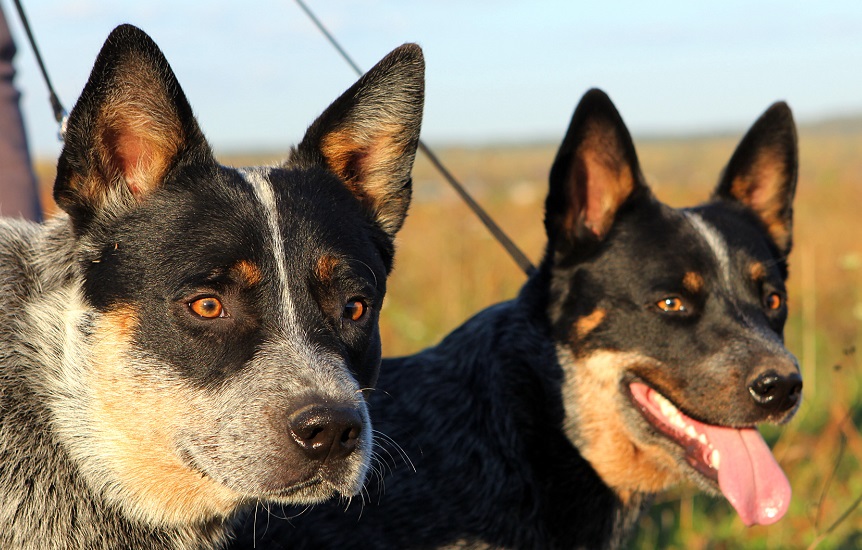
<point>258,72</point>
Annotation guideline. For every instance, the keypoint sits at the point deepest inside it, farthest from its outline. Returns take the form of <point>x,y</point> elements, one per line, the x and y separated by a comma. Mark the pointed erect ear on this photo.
<point>128,128</point>
<point>762,173</point>
<point>595,171</point>
<point>368,136</point>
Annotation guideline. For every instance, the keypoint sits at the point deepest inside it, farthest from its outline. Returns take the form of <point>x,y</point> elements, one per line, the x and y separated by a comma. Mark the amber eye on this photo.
<point>671,305</point>
<point>774,301</point>
<point>354,310</point>
<point>207,308</point>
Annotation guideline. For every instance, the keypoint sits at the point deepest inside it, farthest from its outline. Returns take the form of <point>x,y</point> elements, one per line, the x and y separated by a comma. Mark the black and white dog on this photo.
<point>190,338</point>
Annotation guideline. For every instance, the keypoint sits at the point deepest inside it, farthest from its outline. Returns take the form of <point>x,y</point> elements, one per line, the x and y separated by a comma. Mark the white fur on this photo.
<point>259,180</point>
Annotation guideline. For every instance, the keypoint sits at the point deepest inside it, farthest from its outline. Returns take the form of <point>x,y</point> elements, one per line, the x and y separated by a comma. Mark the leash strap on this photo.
<point>60,114</point>
<point>507,243</point>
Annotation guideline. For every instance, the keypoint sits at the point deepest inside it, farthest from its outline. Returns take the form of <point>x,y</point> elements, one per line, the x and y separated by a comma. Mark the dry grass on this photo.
<point>448,268</point>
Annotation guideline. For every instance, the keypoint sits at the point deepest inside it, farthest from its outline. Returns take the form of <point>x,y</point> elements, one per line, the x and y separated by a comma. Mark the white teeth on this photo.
<point>665,405</point>
<point>675,418</point>
<point>714,459</point>
<point>670,412</point>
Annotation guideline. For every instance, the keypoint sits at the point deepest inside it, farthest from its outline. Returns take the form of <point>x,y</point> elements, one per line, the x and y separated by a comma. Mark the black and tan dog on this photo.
<point>192,338</point>
<point>642,353</point>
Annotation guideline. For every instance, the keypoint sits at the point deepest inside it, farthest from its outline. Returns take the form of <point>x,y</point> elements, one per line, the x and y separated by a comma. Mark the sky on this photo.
<point>257,73</point>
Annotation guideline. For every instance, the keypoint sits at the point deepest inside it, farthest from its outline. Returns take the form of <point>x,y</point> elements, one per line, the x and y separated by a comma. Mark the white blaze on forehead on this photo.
<point>325,371</point>
<point>715,241</point>
<point>258,178</point>
<point>299,348</point>
<point>722,256</point>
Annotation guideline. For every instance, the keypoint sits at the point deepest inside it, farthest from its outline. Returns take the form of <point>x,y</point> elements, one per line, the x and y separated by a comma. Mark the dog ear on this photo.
<point>762,173</point>
<point>368,136</point>
<point>128,128</point>
<point>594,173</point>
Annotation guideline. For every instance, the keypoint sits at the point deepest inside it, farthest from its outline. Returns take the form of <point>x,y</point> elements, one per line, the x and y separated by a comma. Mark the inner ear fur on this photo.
<point>137,135</point>
<point>130,124</point>
<point>763,171</point>
<point>596,170</point>
<point>368,136</point>
<point>600,181</point>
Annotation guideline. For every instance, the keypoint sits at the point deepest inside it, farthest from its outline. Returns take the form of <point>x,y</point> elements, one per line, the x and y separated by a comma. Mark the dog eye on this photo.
<point>354,310</point>
<point>672,305</point>
<point>207,308</point>
<point>774,301</point>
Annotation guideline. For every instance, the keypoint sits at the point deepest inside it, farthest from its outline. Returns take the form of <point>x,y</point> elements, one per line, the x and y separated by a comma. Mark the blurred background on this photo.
<point>503,78</point>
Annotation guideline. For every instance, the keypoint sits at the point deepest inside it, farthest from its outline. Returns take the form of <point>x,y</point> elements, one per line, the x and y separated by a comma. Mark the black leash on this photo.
<point>515,252</point>
<point>60,114</point>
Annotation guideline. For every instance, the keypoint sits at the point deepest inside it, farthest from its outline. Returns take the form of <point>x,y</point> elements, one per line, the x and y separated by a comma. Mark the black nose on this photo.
<point>325,432</point>
<point>776,392</point>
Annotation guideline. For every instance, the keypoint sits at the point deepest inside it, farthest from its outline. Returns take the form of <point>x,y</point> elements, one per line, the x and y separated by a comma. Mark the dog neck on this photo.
<point>509,353</point>
<point>570,487</point>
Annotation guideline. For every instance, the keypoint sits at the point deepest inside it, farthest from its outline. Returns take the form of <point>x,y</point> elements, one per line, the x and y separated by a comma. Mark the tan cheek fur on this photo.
<point>596,426</point>
<point>134,414</point>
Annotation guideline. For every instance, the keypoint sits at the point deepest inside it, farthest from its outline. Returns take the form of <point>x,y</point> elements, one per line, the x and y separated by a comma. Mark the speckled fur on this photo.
<point>128,420</point>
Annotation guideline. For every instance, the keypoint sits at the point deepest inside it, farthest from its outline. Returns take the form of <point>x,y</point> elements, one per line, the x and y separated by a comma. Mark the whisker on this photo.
<point>398,447</point>
<point>379,471</point>
<point>392,459</point>
<point>369,269</point>
<point>254,524</point>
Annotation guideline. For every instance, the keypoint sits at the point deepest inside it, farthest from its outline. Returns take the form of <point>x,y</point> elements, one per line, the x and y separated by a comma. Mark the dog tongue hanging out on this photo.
<point>738,459</point>
<point>681,311</point>
<point>643,353</point>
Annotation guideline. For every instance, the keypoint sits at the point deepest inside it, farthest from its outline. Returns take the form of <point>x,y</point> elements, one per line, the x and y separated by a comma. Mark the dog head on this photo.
<point>669,322</point>
<point>230,316</point>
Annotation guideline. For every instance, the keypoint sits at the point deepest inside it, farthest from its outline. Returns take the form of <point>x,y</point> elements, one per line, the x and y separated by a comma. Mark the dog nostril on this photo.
<point>764,388</point>
<point>794,393</point>
<point>325,432</point>
<point>775,392</point>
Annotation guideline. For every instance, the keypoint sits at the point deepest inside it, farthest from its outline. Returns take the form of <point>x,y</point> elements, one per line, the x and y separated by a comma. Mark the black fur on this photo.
<point>505,435</point>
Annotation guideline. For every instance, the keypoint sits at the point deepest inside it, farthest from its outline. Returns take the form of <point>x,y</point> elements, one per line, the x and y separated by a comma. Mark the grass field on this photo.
<point>448,268</point>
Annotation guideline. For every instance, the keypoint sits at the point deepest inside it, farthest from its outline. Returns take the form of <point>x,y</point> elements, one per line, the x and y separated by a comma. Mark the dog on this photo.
<point>187,339</point>
<point>643,352</point>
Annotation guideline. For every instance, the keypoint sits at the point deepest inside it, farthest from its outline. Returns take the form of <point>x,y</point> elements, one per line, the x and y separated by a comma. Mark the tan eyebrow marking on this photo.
<point>248,271</point>
<point>693,282</point>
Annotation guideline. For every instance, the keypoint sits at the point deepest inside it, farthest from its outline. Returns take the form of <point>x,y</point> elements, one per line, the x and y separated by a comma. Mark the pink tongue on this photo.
<point>748,475</point>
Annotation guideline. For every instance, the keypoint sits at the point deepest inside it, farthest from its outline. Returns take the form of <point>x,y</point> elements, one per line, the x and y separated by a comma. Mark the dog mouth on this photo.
<point>297,490</point>
<point>312,487</point>
<point>738,460</point>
